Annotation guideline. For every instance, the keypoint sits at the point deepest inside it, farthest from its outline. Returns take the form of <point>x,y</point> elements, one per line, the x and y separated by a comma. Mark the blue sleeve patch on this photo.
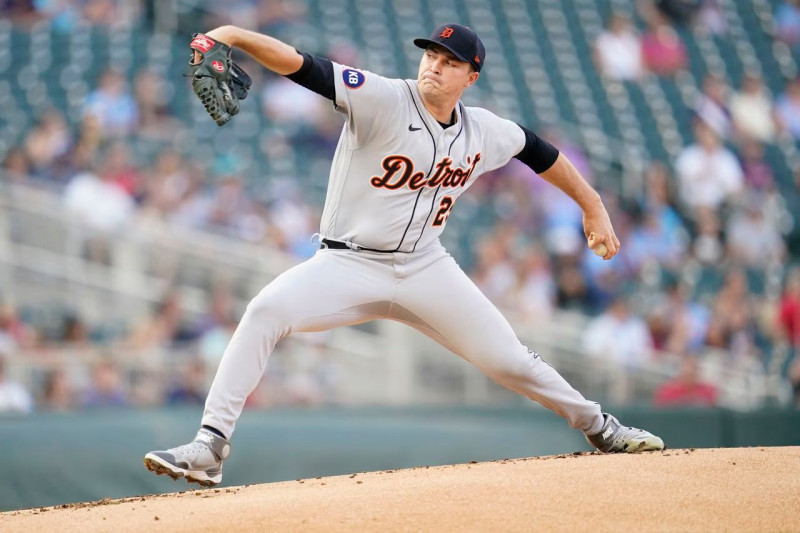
<point>353,78</point>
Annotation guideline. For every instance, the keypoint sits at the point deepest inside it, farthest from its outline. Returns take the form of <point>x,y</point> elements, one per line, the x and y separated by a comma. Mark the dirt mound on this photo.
<point>736,489</point>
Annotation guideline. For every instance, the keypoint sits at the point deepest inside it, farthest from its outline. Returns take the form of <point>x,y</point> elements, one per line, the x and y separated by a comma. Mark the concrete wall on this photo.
<point>49,459</point>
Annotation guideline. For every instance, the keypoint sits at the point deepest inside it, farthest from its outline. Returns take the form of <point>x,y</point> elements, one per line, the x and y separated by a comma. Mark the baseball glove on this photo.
<point>216,79</point>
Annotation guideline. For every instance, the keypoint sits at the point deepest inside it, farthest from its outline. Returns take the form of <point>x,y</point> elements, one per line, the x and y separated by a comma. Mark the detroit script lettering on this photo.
<point>399,172</point>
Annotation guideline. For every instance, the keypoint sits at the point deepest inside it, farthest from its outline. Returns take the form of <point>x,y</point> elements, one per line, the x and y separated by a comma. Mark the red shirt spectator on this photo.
<point>686,389</point>
<point>662,49</point>
<point>789,309</point>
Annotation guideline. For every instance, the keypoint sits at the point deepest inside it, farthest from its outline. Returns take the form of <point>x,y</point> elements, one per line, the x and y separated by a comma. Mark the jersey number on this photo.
<point>444,210</point>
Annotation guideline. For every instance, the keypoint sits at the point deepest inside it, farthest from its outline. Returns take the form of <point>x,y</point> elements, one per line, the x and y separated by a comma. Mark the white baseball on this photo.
<point>600,250</point>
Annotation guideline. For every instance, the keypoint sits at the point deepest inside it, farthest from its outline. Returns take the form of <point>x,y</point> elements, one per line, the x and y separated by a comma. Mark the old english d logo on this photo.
<point>447,33</point>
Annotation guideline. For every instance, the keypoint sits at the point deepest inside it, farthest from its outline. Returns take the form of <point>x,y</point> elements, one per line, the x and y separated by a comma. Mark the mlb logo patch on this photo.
<point>353,78</point>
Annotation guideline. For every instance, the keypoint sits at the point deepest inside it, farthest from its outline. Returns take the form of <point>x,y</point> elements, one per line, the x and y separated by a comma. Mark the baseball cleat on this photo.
<point>199,462</point>
<point>616,438</point>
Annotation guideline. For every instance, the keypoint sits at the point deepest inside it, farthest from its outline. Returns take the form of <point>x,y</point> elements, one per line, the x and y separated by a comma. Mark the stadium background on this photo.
<point>133,231</point>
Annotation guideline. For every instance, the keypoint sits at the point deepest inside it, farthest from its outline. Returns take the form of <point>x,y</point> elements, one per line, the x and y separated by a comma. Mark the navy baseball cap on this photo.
<point>460,40</point>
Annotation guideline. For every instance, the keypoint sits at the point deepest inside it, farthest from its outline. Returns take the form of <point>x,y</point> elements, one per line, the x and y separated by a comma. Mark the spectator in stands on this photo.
<point>618,51</point>
<point>119,170</point>
<point>687,389</point>
<point>167,184</point>
<point>90,138</point>
<point>679,11</point>
<point>21,12</point>
<point>102,207</point>
<point>711,106</point>
<point>619,335</point>
<point>14,333</point>
<point>677,323</point>
<point>708,173</point>
<point>14,398</point>
<point>48,147</point>
<point>155,120</point>
<point>16,167</point>
<point>194,205</point>
<point>787,108</point>
<point>290,215</point>
<point>659,200</point>
<point>710,18</point>
<point>758,174</point>
<point>106,12</point>
<point>708,246</point>
<point>794,381</point>
<point>788,326</point>
<point>752,110</point>
<point>57,394</point>
<point>752,240</point>
<point>74,331</point>
<point>166,327</point>
<point>276,18</point>
<point>191,389</point>
<point>215,328</point>
<point>494,273</point>
<point>789,311</point>
<point>220,310</point>
<point>662,48</point>
<point>63,16</point>
<point>787,22</point>
<point>733,326</point>
<point>106,388</point>
<point>653,242</point>
<point>621,343</point>
<point>536,286</point>
<point>112,104</point>
<point>572,291</point>
<point>229,201</point>
<point>67,15</point>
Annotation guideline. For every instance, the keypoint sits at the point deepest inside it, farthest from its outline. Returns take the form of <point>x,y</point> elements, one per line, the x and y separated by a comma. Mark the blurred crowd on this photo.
<point>704,262</point>
<point>167,357</point>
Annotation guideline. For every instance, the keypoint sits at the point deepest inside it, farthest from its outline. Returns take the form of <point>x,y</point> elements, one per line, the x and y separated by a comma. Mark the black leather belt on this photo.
<point>333,245</point>
<point>339,245</point>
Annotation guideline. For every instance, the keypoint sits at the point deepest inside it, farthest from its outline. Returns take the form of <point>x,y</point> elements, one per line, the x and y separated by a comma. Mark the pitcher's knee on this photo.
<point>264,310</point>
<point>518,369</point>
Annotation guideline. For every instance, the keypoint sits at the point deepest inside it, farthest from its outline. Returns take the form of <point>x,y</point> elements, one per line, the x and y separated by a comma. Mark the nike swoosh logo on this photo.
<point>412,128</point>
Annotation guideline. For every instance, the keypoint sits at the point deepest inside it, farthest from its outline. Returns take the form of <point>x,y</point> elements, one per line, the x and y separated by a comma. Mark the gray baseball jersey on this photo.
<point>397,172</point>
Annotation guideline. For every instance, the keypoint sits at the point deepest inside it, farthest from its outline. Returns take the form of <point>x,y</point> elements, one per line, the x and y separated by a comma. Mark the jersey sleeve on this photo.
<point>503,139</point>
<point>367,100</point>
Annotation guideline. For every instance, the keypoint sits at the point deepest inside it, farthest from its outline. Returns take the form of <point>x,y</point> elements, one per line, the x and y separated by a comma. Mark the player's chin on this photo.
<point>428,87</point>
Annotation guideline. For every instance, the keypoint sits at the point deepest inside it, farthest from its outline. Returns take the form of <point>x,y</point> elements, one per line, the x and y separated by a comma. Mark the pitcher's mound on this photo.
<point>722,489</point>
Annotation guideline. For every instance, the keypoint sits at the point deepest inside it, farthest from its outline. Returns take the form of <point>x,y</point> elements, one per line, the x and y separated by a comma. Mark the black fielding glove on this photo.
<point>216,79</point>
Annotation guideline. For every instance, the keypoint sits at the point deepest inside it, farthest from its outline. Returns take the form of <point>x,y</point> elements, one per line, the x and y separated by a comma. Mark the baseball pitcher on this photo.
<point>407,151</point>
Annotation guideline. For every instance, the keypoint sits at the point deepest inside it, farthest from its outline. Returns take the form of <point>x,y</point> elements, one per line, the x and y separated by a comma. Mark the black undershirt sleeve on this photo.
<point>537,153</point>
<point>316,74</point>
